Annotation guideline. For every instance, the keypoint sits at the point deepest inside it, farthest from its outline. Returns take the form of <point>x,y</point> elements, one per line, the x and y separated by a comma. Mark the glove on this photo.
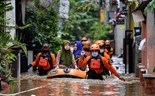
<point>121,78</point>
<point>29,66</point>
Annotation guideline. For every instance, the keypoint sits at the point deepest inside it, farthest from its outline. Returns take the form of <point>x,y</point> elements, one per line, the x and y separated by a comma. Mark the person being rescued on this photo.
<point>85,52</point>
<point>45,61</point>
<point>77,49</point>
<point>95,64</point>
<point>65,58</point>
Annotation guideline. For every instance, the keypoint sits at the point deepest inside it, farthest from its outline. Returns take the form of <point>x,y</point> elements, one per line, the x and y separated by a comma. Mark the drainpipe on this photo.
<point>127,45</point>
<point>23,3</point>
<point>30,60</point>
<point>19,64</point>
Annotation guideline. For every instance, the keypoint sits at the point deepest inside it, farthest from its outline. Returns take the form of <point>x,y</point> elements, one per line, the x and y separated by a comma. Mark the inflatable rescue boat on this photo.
<point>66,72</point>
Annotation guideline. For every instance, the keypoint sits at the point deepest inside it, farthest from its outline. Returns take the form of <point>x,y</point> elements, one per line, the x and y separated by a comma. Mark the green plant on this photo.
<point>84,21</point>
<point>7,57</point>
<point>3,8</point>
<point>44,21</point>
<point>150,7</point>
<point>100,31</point>
<point>81,16</point>
<point>7,43</point>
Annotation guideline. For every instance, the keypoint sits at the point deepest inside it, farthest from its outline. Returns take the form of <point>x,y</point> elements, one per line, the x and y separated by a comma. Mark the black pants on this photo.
<point>105,71</point>
<point>93,75</point>
<point>42,71</point>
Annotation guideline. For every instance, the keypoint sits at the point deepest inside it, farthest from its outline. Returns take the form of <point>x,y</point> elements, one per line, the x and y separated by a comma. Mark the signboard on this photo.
<point>137,31</point>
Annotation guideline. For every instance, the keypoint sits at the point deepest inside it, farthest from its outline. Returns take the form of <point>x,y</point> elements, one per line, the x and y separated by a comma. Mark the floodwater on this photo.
<point>111,86</point>
<point>34,85</point>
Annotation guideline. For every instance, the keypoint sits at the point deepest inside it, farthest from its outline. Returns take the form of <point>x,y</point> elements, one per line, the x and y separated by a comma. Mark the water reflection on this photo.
<point>75,87</point>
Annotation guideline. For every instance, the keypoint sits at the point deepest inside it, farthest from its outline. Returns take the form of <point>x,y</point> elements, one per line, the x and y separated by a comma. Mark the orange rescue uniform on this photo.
<point>109,52</point>
<point>83,62</point>
<point>36,62</point>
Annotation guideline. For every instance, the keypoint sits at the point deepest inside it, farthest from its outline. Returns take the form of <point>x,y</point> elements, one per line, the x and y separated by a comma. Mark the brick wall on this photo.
<point>150,35</point>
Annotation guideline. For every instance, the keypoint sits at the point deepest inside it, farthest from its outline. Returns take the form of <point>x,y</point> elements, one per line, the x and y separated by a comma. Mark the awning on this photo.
<point>138,16</point>
<point>138,12</point>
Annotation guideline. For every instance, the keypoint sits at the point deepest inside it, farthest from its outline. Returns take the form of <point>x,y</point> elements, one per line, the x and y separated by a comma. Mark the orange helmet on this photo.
<point>87,43</point>
<point>107,42</point>
<point>84,39</point>
<point>99,42</point>
<point>102,41</point>
<point>94,47</point>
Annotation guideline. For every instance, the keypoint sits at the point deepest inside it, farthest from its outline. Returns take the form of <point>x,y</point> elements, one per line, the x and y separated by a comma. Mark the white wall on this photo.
<point>119,34</point>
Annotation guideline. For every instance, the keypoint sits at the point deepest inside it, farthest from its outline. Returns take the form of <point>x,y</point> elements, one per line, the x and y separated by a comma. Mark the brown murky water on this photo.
<point>74,87</point>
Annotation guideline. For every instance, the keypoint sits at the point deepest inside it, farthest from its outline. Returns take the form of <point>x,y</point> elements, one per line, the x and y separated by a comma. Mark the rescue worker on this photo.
<point>103,42</point>
<point>83,40</point>
<point>87,43</point>
<point>108,48</point>
<point>95,63</point>
<point>85,52</point>
<point>77,49</point>
<point>86,48</point>
<point>45,61</point>
<point>104,54</point>
<point>65,58</point>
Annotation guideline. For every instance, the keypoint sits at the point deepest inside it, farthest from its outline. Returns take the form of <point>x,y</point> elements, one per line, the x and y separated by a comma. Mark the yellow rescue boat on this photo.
<point>66,72</point>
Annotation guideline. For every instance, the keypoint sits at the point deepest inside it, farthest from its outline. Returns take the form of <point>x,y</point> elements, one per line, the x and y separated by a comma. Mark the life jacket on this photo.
<point>96,64</point>
<point>45,61</point>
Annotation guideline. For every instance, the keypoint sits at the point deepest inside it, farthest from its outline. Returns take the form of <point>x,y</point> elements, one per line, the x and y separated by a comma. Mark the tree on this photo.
<point>44,21</point>
<point>100,31</point>
<point>84,21</point>
<point>150,7</point>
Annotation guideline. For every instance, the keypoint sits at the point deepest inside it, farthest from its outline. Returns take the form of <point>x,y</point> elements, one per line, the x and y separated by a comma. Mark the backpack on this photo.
<point>45,60</point>
<point>95,63</point>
